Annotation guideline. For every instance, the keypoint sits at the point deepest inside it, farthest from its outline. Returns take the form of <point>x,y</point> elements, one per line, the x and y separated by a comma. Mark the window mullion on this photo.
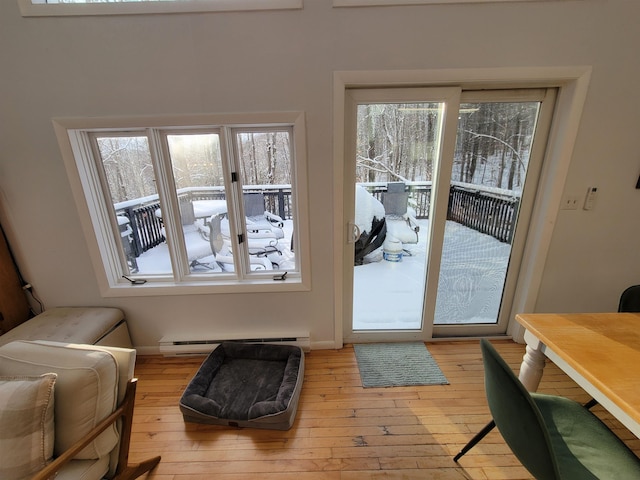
<point>171,218</point>
<point>234,202</point>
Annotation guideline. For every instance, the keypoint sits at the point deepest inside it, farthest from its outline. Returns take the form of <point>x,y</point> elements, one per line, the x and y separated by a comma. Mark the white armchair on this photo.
<point>82,431</point>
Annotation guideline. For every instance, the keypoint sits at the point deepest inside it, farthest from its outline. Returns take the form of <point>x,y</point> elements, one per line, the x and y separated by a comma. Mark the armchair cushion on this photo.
<point>26,424</point>
<point>92,325</point>
<point>86,389</point>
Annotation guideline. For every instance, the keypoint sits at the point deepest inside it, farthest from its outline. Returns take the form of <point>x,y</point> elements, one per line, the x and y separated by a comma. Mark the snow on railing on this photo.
<point>486,209</point>
<point>145,220</point>
<point>489,210</point>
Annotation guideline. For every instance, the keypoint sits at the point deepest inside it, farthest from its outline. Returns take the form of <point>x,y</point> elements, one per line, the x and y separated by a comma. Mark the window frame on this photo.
<point>101,232</point>
<point>377,3</point>
<point>29,9</point>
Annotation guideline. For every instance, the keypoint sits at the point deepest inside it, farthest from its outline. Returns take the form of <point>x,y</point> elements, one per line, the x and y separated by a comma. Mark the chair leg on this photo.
<point>491,425</point>
<point>479,436</point>
<point>125,471</point>
<point>134,471</point>
<point>590,404</point>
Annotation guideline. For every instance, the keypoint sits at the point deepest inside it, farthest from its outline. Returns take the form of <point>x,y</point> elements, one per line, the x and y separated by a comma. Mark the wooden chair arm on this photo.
<point>125,410</point>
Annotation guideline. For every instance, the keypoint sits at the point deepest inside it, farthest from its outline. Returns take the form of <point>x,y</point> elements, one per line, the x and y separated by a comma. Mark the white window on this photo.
<point>192,204</point>
<point>35,8</point>
<point>369,3</point>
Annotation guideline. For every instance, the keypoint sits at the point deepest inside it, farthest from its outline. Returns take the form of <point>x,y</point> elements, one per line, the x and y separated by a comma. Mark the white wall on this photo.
<point>285,60</point>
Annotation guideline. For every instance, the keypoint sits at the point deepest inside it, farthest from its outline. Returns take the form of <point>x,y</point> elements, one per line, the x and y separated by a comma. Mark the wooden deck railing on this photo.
<point>490,211</point>
<point>487,211</point>
<point>484,211</point>
<point>146,222</point>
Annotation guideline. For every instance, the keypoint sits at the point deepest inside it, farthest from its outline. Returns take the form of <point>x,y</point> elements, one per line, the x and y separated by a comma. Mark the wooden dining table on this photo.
<point>599,351</point>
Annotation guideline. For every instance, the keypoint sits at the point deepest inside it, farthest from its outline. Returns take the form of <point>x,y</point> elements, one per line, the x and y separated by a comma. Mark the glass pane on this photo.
<point>489,171</point>
<point>126,161</point>
<point>198,175</point>
<point>397,146</point>
<point>265,167</point>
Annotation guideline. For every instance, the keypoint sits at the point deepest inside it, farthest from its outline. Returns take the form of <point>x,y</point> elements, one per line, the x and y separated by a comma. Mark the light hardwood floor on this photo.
<point>342,431</point>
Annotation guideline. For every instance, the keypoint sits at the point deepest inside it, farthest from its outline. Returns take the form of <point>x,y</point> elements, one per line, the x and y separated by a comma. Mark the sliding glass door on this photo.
<point>442,182</point>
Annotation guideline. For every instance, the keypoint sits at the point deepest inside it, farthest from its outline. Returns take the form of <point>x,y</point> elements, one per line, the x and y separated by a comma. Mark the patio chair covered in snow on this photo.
<point>219,240</point>
<point>198,248</point>
<point>258,218</point>
<point>401,223</point>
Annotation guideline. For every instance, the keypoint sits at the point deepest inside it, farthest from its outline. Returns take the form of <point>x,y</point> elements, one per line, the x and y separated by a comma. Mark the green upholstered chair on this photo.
<point>554,437</point>
<point>630,300</point>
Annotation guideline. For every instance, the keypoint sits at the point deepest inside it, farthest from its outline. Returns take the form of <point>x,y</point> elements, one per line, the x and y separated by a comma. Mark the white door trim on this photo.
<point>573,84</point>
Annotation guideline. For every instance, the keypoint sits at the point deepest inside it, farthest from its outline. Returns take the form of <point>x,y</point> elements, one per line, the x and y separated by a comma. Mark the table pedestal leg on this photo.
<point>532,365</point>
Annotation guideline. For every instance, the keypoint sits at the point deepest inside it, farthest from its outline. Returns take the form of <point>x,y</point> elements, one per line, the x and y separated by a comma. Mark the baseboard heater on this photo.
<point>174,347</point>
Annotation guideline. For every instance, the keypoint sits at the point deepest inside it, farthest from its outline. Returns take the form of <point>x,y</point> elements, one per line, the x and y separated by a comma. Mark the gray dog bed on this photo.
<point>246,385</point>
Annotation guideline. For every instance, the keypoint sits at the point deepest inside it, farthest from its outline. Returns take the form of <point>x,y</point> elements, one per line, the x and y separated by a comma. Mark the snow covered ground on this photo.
<point>389,295</point>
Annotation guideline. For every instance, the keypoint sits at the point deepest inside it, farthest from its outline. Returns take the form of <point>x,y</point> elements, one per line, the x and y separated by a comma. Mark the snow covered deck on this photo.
<point>389,295</point>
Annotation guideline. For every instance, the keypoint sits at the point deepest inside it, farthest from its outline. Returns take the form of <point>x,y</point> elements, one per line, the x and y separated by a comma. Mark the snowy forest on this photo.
<point>264,158</point>
<point>399,142</point>
<point>396,142</point>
